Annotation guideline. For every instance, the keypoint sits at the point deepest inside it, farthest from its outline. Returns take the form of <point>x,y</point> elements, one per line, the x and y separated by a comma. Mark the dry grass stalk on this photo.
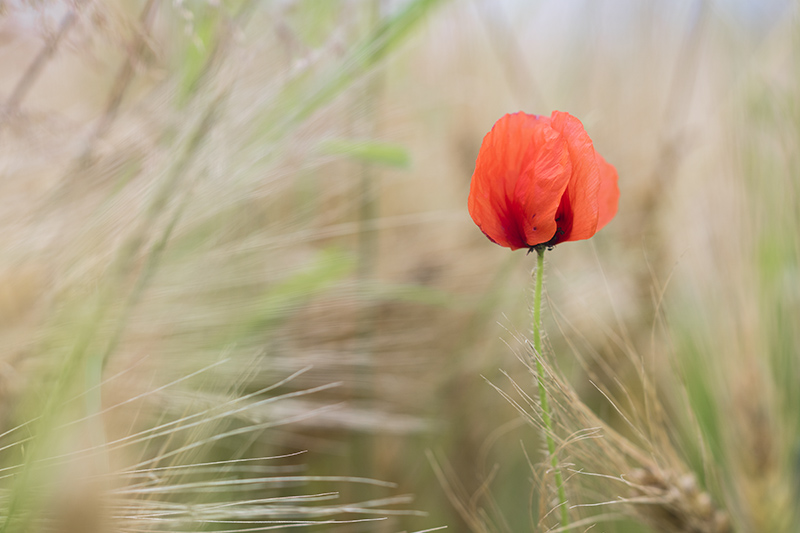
<point>653,484</point>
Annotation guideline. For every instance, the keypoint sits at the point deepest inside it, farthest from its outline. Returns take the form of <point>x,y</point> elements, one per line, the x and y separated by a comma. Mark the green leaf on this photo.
<point>206,20</point>
<point>322,90</point>
<point>388,154</point>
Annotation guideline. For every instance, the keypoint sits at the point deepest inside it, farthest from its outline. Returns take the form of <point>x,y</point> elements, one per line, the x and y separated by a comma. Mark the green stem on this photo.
<point>546,417</point>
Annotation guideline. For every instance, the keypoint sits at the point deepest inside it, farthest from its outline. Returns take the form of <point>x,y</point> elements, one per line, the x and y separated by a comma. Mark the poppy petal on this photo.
<point>578,211</point>
<point>608,195</point>
<point>521,172</point>
<point>541,187</point>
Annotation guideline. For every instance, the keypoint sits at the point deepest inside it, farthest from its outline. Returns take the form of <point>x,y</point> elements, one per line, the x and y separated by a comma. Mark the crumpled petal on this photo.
<point>608,195</point>
<point>521,172</point>
<point>578,213</point>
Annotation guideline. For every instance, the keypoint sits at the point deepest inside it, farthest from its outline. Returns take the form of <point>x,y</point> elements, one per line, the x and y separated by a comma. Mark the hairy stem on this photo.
<point>546,417</point>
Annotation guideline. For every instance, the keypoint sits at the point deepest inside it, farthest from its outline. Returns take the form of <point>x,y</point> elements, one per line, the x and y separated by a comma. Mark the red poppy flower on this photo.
<point>539,181</point>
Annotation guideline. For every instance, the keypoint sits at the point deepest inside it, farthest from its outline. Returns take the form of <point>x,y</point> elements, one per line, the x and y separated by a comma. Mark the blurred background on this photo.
<point>240,289</point>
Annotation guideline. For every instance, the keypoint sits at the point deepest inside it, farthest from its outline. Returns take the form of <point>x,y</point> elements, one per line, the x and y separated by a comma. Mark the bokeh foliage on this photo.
<point>201,199</point>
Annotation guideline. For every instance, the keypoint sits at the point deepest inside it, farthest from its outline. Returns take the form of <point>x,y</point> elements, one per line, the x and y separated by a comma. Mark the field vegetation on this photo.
<point>240,289</point>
